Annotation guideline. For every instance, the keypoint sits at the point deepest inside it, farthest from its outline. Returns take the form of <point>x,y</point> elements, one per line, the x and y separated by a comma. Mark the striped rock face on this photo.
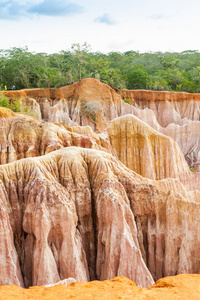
<point>100,189</point>
<point>81,213</point>
<point>95,104</point>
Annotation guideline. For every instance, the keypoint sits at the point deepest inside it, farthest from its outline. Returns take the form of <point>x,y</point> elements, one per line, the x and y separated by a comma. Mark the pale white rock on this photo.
<point>65,282</point>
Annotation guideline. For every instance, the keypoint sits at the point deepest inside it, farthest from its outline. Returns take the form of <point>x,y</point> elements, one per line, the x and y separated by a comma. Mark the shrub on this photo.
<point>16,105</point>
<point>4,101</point>
<point>127,100</point>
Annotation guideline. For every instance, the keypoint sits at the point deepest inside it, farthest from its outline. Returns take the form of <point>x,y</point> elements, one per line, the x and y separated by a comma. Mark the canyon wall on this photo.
<point>136,144</point>
<point>178,116</point>
<point>92,103</point>
<point>81,213</point>
<point>178,105</point>
<point>93,187</point>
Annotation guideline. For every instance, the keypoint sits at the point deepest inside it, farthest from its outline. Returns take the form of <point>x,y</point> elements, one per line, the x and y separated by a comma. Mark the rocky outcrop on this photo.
<point>81,213</point>
<point>116,199</point>
<point>148,152</point>
<point>137,145</point>
<point>29,106</point>
<point>178,105</point>
<point>91,98</point>
<point>188,139</point>
<point>174,114</point>
<point>23,136</point>
<point>88,102</point>
<point>144,150</point>
<point>70,102</point>
<point>54,232</point>
<point>92,103</point>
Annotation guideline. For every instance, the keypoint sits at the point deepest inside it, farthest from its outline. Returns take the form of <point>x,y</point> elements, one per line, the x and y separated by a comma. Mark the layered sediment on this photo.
<point>102,189</point>
<point>136,144</point>
<point>92,103</point>
<point>168,107</point>
<point>81,213</point>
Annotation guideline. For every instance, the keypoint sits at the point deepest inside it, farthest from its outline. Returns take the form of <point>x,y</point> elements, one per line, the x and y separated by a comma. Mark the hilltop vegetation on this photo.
<point>171,71</point>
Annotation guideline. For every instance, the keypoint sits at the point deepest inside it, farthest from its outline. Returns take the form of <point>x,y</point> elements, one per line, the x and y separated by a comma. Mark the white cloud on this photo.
<point>106,19</point>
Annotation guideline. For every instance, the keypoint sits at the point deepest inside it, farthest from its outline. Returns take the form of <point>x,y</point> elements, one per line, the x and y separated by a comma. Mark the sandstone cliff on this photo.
<point>175,114</point>
<point>137,145</point>
<point>148,152</point>
<point>23,136</point>
<point>178,105</point>
<point>88,102</point>
<point>106,203</point>
<point>92,103</point>
<point>81,213</point>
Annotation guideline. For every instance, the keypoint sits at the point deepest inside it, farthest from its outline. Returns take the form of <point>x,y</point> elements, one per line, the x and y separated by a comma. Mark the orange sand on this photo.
<point>176,287</point>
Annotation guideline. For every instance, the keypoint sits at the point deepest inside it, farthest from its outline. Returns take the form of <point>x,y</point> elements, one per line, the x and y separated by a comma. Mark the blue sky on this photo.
<point>142,25</point>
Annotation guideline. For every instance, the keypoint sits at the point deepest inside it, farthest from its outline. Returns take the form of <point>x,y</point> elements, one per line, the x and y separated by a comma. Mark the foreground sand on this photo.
<point>176,287</point>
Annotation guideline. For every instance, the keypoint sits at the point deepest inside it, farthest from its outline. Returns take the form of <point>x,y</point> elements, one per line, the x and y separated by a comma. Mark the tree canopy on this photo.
<point>171,71</point>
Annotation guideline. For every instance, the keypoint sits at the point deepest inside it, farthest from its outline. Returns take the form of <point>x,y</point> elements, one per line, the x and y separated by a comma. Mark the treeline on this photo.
<point>171,71</point>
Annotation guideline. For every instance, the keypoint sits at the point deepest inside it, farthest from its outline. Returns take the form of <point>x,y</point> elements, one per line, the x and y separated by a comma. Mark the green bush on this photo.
<point>127,100</point>
<point>16,105</point>
<point>4,101</point>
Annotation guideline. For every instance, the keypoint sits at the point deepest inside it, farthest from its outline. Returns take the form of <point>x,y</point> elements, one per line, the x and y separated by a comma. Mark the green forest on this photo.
<point>158,71</point>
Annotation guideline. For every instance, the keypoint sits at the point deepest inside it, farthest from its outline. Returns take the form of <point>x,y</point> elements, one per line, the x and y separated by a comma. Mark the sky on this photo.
<point>140,25</point>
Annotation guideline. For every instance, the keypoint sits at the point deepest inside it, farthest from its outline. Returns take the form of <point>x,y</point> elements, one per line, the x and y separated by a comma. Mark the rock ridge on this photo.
<point>137,145</point>
<point>90,102</point>
<point>49,232</point>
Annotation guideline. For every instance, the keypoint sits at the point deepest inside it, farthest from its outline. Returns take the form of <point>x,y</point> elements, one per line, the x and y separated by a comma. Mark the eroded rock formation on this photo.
<point>92,103</point>
<point>175,114</point>
<point>178,105</point>
<point>88,102</point>
<point>81,213</point>
<point>23,136</point>
<point>117,199</point>
<point>137,145</point>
